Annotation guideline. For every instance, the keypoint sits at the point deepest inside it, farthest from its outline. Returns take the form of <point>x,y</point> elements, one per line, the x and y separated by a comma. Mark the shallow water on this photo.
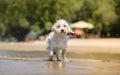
<point>79,67</point>
<point>42,67</point>
<point>43,54</point>
<point>23,54</point>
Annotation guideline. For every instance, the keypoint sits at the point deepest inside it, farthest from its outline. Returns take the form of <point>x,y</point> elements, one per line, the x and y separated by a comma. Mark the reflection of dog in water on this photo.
<point>56,66</point>
<point>57,40</point>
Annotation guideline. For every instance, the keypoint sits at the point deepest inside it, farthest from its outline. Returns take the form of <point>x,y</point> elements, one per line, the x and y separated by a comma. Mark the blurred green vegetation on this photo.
<point>20,17</point>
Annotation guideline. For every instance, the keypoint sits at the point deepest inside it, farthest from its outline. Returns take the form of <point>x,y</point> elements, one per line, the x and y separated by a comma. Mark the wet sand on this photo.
<point>42,67</point>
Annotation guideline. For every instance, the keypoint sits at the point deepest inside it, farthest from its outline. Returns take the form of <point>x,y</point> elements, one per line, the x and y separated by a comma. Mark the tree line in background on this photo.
<point>20,17</point>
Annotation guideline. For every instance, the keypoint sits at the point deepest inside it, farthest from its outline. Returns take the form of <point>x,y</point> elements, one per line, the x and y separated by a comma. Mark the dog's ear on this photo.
<point>56,20</point>
<point>70,30</point>
<point>53,28</point>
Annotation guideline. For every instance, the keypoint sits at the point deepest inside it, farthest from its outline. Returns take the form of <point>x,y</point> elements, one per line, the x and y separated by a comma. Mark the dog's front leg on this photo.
<point>58,55</point>
<point>50,53</point>
<point>64,55</point>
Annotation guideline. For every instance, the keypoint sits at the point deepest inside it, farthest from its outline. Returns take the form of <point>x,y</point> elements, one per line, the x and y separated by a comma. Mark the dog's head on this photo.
<point>62,27</point>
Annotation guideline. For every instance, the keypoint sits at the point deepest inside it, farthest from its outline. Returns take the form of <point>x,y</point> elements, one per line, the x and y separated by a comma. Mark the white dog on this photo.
<point>57,40</point>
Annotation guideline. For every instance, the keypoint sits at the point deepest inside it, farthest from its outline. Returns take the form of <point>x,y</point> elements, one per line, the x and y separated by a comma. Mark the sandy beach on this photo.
<point>74,45</point>
<point>87,57</point>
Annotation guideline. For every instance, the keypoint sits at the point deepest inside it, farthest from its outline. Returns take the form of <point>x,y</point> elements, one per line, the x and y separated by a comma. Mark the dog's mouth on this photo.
<point>63,32</point>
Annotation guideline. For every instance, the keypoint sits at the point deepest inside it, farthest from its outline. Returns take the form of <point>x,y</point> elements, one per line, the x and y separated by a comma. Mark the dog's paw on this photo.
<point>49,59</point>
<point>65,59</point>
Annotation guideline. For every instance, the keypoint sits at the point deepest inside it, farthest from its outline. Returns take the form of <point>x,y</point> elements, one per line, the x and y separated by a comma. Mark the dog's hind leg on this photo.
<point>57,53</point>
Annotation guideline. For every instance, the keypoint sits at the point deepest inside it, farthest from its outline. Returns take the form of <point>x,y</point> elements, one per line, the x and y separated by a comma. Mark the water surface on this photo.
<point>80,64</point>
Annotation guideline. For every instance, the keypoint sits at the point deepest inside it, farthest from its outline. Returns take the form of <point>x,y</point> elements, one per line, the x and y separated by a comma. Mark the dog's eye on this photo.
<point>58,26</point>
<point>64,25</point>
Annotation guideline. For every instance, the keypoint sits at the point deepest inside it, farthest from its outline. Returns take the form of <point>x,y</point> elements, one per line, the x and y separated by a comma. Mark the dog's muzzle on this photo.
<point>62,31</point>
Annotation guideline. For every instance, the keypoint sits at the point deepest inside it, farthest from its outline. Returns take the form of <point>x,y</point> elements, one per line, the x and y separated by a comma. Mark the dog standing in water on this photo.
<point>57,40</point>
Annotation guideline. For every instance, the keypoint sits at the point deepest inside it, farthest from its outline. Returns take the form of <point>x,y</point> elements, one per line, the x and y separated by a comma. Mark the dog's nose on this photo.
<point>62,30</point>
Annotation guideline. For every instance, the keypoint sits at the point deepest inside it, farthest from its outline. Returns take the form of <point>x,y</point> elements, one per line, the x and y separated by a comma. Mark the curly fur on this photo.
<point>57,40</point>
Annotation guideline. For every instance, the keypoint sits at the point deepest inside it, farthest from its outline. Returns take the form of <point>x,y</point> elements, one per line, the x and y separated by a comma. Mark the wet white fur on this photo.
<point>57,40</point>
